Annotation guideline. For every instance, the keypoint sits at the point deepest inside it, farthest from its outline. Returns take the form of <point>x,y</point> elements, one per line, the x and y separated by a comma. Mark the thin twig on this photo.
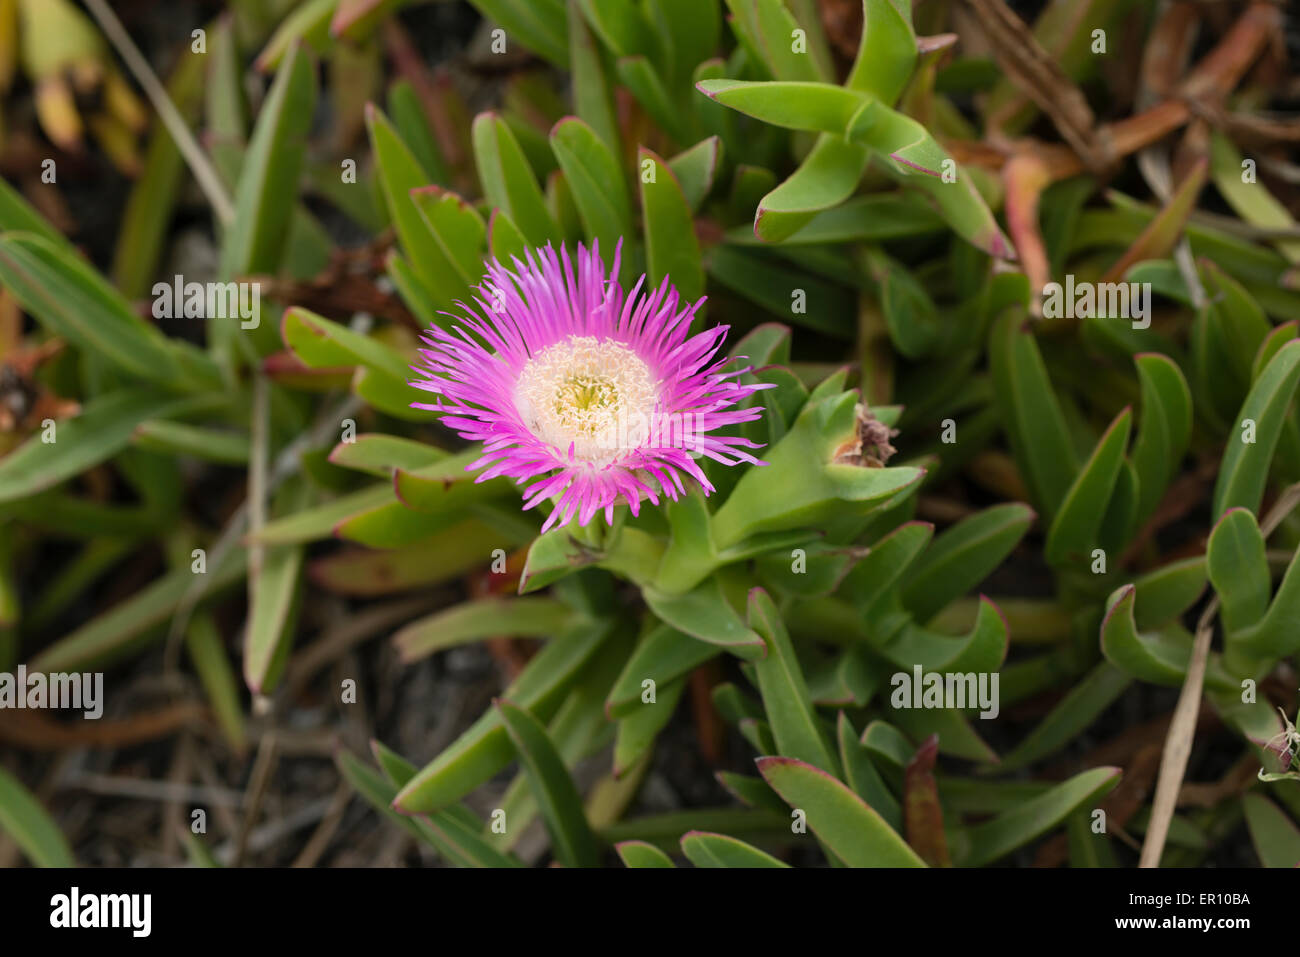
<point>347,634</point>
<point>169,792</point>
<point>267,757</point>
<point>204,172</point>
<point>319,841</point>
<point>270,833</point>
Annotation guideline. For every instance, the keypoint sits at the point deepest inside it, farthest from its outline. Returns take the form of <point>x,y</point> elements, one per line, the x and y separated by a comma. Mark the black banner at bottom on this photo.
<point>338,907</point>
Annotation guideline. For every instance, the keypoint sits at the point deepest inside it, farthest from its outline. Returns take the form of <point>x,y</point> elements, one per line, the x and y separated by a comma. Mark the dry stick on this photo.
<point>200,166</point>
<point>207,773</point>
<point>261,776</point>
<point>1182,729</point>
<point>1217,73</point>
<point>36,732</point>
<point>173,813</point>
<point>272,832</point>
<point>348,633</point>
<point>171,791</point>
<point>1178,743</point>
<point>319,841</point>
<point>1035,72</point>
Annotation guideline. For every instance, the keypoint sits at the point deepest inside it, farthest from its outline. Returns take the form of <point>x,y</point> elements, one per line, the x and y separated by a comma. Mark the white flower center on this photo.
<point>597,396</point>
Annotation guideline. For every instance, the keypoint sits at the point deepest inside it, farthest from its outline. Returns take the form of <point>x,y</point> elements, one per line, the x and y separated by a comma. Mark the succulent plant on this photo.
<point>723,360</point>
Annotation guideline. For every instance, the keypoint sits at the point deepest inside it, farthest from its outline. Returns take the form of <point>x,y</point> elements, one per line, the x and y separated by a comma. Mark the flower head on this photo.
<point>588,393</point>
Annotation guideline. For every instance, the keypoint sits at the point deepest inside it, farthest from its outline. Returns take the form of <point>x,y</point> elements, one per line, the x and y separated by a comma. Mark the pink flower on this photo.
<point>589,393</point>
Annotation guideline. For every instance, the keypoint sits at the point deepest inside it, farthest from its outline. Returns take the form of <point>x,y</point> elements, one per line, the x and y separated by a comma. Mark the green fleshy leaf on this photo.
<point>962,557</point>
<point>860,774</point>
<point>984,843</point>
<point>1238,569</point>
<point>102,429</point>
<point>696,170</point>
<point>887,53</point>
<point>268,178</point>
<point>1089,697</point>
<point>447,831</point>
<point>889,559</point>
<point>772,28</point>
<point>1158,657</point>
<point>1164,428</point>
<point>509,183</point>
<point>784,689</point>
<point>638,730</point>
<point>827,177</point>
<point>801,486</point>
<point>572,840</point>
<point>1244,471</point>
<point>640,77</point>
<point>273,599</point>
<point>1277,634</point>
<point>641,854</point>
<point>817,107</point>
<point>539,25</point>
<point>704,613</point>
<point>1274,834</point>
<point>133,622</point>
<point>485,749</point>
<point>598,184</point>
<point>672,251</point>
<point>1167,592</point>
<point>460,237</point>
<point>74,302</point>
<point>479,619</point>
<point>1031,415</point>
<point>592,99</point>
<point>30,825</point>
<point>719,850</point>
<point>1073,532</point>
<point>850,828</point>
<point>663,656</point>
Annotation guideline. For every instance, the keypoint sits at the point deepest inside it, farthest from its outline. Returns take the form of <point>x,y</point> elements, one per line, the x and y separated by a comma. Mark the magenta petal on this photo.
<point>474,367</point>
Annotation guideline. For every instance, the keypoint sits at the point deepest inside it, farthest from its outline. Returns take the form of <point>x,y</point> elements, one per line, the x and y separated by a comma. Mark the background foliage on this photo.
<point>1076,504</point>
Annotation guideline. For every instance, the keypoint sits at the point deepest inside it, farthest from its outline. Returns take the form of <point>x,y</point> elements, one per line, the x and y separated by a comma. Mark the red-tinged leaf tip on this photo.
<point>937,41</point>
<point>1006,628</point>
<point>928,751</point>
<point>700,86</point>
<point>284,335</point>
<point>999,247</point>
<point>1125,592</point>
<point>698,833</point>
<point>1224,516</point>
<point>776,761</point>
<point>333,461</point>
<point>405,812</point>
<point>564,121</point>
